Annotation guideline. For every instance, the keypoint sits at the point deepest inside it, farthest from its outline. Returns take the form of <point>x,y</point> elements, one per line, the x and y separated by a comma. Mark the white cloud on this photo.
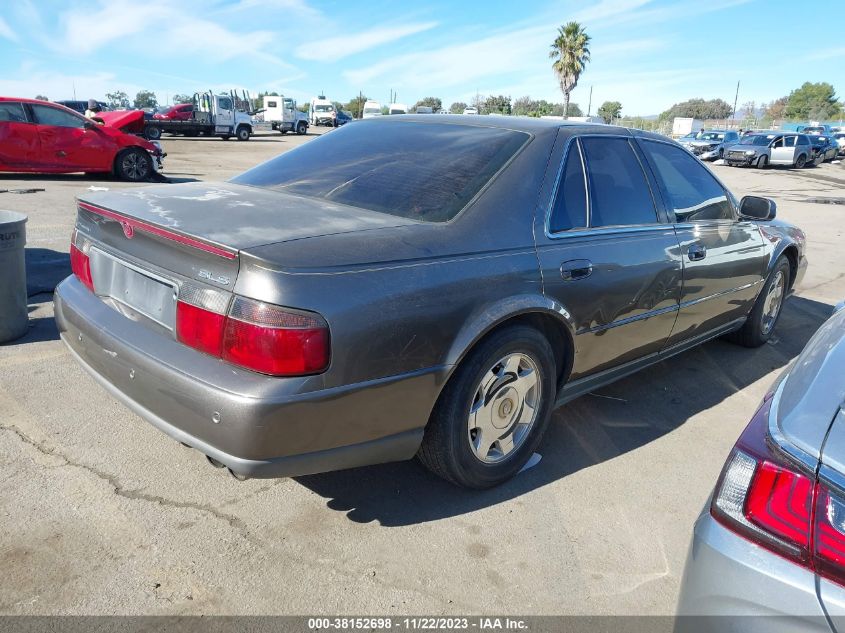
<point>86,31</point>
<point>827,53</point>
<point>62,86</point>
<point>338,47</point>
<point>6,31</point>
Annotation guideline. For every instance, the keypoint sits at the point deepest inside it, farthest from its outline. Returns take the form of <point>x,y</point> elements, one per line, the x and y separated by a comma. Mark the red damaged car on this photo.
<point>178,112</point>
<point>43,137</point>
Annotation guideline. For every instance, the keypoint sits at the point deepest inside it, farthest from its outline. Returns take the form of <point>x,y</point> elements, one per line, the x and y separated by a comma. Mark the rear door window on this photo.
<point>421,171</point>
<point>569,210</point>
<point>12,112</point>
<point>693,193</point>
<point>619,191</point>
<point>46,115</point>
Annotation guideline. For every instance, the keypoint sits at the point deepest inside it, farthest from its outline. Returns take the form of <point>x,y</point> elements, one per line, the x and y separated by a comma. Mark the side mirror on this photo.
<point>757,208</point>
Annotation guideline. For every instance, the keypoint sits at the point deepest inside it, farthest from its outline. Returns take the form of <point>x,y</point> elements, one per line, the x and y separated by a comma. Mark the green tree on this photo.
<point>699,109</point>
<point>812,101</point>
<point>570,54</point>
<point>145,99</point>
<point>497,105</point>
<point>356,105</point>
<point>41,98</point>
<point>458,107</point>
<point>118,99</point>
<point>610,110</point>
<point>431,102</point>
<point>177,99</point>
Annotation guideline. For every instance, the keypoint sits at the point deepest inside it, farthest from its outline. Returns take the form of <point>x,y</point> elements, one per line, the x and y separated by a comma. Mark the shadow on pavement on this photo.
<point>621,417</point>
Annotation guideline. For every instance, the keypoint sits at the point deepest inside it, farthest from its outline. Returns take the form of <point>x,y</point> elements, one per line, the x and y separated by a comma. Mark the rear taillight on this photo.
<point>766,497</point>
<point>259,336</point>
<point>80,265</point>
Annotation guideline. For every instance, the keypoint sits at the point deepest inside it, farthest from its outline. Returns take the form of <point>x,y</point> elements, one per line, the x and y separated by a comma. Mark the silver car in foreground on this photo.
<point>768,552</point>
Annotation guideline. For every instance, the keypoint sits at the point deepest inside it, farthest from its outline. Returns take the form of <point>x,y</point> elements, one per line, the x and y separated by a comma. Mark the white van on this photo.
<point>397,108</point>
<point>321,112</point>
<point>371,109</point>
<point>424,110</point>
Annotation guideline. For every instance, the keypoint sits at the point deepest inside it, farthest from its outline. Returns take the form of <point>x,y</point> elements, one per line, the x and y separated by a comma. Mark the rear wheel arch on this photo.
<point>549,323</point>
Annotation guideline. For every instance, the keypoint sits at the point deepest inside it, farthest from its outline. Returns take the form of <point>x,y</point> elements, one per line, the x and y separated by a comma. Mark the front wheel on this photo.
<point>301,128</point>
<point>242,133</point>
<point>766,311</point>
<point>494,410</point>
<point>133,164</point>
<point>763,162</point>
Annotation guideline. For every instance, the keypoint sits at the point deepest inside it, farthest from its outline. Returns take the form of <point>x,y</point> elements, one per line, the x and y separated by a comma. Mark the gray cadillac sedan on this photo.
<point>406,286</point>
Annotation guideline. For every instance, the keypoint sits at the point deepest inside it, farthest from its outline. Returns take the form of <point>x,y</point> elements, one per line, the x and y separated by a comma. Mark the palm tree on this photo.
<point>570,52</point>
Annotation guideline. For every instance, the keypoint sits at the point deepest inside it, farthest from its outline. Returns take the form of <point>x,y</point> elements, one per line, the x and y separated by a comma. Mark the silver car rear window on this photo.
<point>421,171</point>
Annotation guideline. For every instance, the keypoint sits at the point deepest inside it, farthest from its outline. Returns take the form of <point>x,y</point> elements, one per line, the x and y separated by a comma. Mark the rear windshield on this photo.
<point>421,171</point>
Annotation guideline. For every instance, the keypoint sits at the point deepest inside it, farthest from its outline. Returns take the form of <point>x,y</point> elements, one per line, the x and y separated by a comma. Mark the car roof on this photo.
<point>530,125</point>
<point>38,102</point>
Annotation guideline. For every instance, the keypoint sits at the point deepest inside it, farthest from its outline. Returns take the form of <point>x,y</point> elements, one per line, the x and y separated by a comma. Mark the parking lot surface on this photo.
<point>102,514</point>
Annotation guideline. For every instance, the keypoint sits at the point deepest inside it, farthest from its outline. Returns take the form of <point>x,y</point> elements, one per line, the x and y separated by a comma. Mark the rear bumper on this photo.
<point>256,425</point>
<point>730,584</point>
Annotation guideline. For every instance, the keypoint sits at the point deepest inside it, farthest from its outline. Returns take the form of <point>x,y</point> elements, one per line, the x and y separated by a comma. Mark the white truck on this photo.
<point>321,111</point>
<point>223,115</point>
<point>397,108</point>
<point>282,115</point>
<point>371,109</point>
<point>682,126</point>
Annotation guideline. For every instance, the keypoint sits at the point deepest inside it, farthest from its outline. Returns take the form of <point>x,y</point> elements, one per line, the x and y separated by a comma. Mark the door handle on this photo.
<point>61,154</point>
<point>576,269</point>
<point>696,252</point>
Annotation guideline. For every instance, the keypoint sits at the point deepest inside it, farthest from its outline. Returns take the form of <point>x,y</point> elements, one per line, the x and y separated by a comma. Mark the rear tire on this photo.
<point>494,410</point>
<point>763,162</point>
<point>152,132</point>
<point>767,309</point>
<point>133,164</point>
<point>801,162</point>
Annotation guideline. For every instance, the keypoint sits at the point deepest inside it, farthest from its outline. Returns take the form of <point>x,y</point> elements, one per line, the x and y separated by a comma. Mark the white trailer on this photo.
<point>397,108</point>
<point>682,126</point>
<point>282,115</point>
<point>371,109</point>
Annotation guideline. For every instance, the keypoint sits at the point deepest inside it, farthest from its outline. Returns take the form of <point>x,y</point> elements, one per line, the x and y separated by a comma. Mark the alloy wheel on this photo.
<point>773,301</point>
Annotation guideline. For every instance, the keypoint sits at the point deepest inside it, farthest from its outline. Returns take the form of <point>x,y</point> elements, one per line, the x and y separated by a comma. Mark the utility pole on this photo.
<point>74,91</point>
<point>590,102</point>
<point>736,98</point>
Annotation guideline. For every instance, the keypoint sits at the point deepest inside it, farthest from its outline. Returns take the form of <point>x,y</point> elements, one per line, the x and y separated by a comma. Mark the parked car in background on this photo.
<point>44,137</point>
<point>178,112</point>
<point>824,148</point>
<point>343,117</point>
<point>840,141</point>
<point>817,129</point>
<point>371,109</point>
<point>81,106</point>
<point>771,541</point>
<point>711,144</point>
<point>397,108</point>
<point>770,148</point>
<point>471,110</point>
<point>283,115</point>
<point>424,110</point>
<point>248,306</point>
<point>688,138</point>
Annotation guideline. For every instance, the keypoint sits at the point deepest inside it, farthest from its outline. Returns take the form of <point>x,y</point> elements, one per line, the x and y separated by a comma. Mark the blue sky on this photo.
<point>647,54</point>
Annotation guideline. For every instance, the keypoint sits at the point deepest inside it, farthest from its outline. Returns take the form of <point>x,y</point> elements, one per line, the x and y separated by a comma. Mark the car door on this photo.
<point>70,142</point>
<point>724,259</point>
<point>606,255</point>
<point>225,118</point>
<point>20,147</point>
<point>783,150</point>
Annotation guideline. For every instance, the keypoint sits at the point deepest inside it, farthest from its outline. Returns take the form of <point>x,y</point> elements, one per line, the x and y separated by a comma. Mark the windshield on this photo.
<point>393,169</point>
<point>323,108</point>
<point>757,139</point>
<point>712,136</point>
<point>371,110</point>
